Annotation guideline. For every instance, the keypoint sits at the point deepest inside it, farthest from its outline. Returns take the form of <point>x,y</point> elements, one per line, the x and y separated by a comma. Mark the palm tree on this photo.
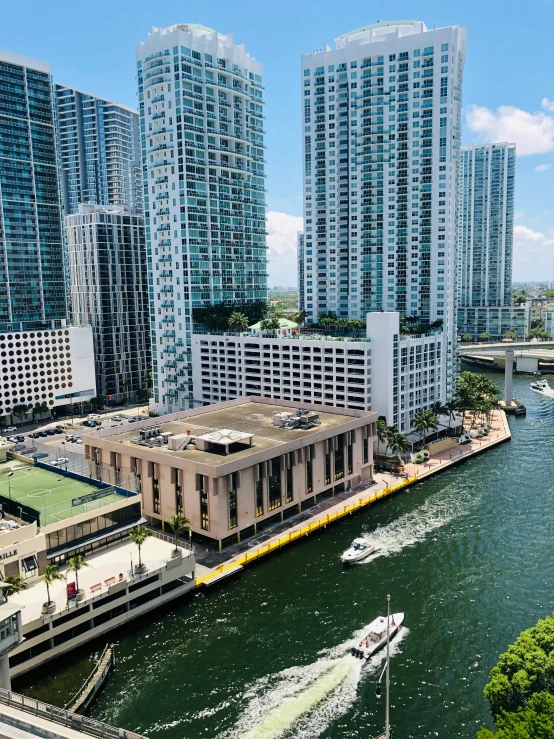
<point>179,524</point>
<point>299,317</point>
<point>424,421</point>
<point>356,324</point>
<point>270,324</point>
<point>382,429</point>
<point>239,321</point>
<point>439,409</point>
<point>510,334</point>
<point>76,563</point>
<point>138,536</point>
<point>399,443</point>
<point>342,323</point>
<point>49,577</point>
<point>391,433</point>
<point>467,337</point>
<point>450,407</point>
<point>485,336</point>
<point>15,585</point>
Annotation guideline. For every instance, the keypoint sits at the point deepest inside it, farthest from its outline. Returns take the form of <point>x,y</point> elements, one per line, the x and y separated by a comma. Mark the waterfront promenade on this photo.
<point>364,494</point>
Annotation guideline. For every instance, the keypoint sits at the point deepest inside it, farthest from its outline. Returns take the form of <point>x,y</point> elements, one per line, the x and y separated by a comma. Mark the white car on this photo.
<point>10,429</point>
<point>93,415</point>
<point>61,460</point>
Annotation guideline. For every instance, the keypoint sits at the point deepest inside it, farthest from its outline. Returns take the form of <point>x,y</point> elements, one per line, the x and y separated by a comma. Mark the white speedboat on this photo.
<point>376,636</point>
<point>542,387</point>
<point>358,551</point>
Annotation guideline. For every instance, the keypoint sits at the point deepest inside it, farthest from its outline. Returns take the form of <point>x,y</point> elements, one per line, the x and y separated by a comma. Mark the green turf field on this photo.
<point>50,493</point>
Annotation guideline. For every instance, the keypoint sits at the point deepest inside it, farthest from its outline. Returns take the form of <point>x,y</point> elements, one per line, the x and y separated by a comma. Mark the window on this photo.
<point>350,459</point>
<point>366,451</point>
<point>233,507</point>
<point>260,497</point>
<point>339,458</point>
<point>275,485</point>
<point>289,491</point>
<point>156,494</point>
<point>328,468</point>
<point>309,476</point>
<point>204,514</point>
<point>30,567</point>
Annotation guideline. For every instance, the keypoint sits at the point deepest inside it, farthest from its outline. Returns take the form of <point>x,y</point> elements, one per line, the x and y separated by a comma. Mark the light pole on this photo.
<point>386,668</point>
<point>9,485</point>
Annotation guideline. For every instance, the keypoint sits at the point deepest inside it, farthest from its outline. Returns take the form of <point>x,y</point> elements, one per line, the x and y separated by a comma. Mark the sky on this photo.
<point>508,84</point>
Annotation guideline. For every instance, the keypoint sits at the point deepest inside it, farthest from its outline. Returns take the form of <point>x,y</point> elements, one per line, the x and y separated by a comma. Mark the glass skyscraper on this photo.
<point>99,152</point>
<point>32,269</point>
<point>202,135</point>
<point>486,225</point>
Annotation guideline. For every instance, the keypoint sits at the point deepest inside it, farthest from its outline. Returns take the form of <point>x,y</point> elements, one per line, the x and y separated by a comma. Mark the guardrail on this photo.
<point>65,718</point>
<point>170,539</point>
<point>248,557</point>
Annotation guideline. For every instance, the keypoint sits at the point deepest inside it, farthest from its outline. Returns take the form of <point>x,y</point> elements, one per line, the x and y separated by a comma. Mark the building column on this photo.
<point>5,681</point>
<point>508,375</point>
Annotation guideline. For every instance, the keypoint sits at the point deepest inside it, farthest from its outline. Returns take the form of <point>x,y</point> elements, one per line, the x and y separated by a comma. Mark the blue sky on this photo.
<point>508,85</point>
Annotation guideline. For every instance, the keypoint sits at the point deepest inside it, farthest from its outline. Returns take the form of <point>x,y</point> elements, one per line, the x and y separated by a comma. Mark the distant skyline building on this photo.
<point>32,269</point>
<point>99,151</point>
<point>201,113</point>
<point>301,268</point>
<point>109,291</point>
<point>486,225</point>
<point>382,150</point>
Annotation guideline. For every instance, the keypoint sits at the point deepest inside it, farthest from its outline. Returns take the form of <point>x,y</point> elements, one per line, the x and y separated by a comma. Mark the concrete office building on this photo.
<point>237,465</point>
<point>387,372</point>
<point>52,367</point>
<point>201,113</point>
<point>381,147</point>
<point>32,269</point>
<point>109,291</point>
<point>99,151</point>
<point>300,245</point>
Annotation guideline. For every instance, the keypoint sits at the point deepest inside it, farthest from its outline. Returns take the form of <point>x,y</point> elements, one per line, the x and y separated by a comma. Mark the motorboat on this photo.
<point>542,387</point>
<point>376,635</point>
<point>358,551</point>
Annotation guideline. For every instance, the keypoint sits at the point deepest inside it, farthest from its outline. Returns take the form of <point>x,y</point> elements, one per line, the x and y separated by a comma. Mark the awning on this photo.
<point>86,540</point>
<point>29,563</point>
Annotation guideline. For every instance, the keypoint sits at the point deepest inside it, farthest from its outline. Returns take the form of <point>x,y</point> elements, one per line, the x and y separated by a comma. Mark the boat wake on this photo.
<point>302,701</point>
<point>413,527</point>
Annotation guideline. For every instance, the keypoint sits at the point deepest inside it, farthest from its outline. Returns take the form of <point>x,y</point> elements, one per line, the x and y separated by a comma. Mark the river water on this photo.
<point>467,555</point>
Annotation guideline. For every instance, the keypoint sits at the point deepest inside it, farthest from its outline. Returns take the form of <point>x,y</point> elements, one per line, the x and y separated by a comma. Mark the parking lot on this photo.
<point>51,438</point>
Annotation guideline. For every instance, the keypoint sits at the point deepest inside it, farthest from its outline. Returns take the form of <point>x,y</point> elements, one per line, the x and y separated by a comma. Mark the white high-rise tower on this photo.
<point>201,115</point>
<point>381,144</point>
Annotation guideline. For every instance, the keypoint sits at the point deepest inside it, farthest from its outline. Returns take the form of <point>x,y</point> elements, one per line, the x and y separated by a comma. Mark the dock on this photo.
<point>86,696</point>
<point>384,485</point>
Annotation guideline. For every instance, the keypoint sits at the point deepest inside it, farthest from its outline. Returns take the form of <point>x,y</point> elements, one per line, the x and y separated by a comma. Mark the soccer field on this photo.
<point>51,493</point>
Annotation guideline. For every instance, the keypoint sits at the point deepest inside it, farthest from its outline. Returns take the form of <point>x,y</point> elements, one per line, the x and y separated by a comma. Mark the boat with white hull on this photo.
<point>543,388</point>
<point>358,551</point>
<point>376,636</point>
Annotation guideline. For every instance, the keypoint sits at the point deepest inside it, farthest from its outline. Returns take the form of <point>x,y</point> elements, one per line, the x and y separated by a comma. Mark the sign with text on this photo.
<point>71,589</point>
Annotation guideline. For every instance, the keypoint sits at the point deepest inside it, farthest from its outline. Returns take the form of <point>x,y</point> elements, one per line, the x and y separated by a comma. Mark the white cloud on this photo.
<point>532,133</point>
<point>542,167</point>
<point>281,242</point>
<point>547,104</point>
<point>533,254</point>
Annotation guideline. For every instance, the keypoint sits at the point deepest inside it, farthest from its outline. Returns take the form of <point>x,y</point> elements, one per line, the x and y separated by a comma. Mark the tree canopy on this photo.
<point>216,317</point>
<point>521,689</point>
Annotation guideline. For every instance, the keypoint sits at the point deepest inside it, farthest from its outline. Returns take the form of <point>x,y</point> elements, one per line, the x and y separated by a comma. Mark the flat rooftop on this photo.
<point>251,418</point>
<point>54,496</point>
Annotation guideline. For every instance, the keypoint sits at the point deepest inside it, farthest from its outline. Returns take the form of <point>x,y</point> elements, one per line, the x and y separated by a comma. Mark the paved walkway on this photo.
<point>332,509</point>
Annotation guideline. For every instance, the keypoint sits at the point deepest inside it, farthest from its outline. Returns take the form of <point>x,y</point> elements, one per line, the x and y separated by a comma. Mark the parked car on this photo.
<point>40,455</point>
<point>28,449</point>
<point>42,433</point>
<point>51,432</point>
<point>10,429</point>
<point>20,438</point>
<point>116,418</point>
<point>78,440</point>
<point>61,460</point>
<point>60,429</point>
<point>90,423</point>
<point>13,439</point>
<point>93,415</point>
